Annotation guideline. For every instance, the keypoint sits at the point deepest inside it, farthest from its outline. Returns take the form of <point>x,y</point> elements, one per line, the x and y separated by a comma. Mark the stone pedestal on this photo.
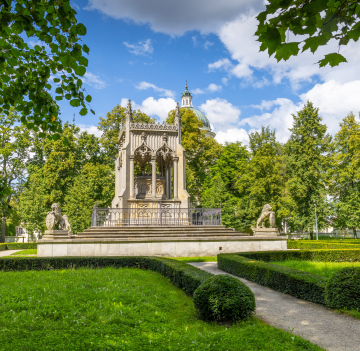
<point>56,234</point>
<point>261,231</point>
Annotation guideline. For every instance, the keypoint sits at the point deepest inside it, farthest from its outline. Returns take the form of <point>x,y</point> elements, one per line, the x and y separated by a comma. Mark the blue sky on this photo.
<point>146,50</point>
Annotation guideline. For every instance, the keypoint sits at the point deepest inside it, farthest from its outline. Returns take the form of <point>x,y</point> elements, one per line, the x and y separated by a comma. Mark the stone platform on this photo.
<point>181,241</point>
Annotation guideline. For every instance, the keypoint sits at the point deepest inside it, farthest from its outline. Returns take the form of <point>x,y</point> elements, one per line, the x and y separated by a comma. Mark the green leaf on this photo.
<point>66,141</point>
<point>75,102</point>
<point>333,59</point>
<point>80,70</point>
<point>42,135</point>
<point>59,90</point>
<point>88,98</point>
<point>56,137</point>
<point>85,49</point>
<point>81,29</point>
<point>56,80</point>
<point>92,111</point>
<point>271,38</point>
<point>284,51</point>
<point>83,111</point>
<point>314,42</point>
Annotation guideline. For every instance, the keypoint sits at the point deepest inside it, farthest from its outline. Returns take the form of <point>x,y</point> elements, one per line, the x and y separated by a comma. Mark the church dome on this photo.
<point>203,119</point>
<point>186,101</point>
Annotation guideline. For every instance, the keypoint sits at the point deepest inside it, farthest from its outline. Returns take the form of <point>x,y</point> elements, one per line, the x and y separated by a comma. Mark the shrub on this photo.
<point>326,244</point>
<point>343,289</point>
<point>181,274</point>
<point>304,285</point>
<point>347,255</point>
<point>224,298</point>
<point>17,246</point>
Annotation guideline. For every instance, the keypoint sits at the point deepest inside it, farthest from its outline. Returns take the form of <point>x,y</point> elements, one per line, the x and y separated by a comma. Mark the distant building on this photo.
<point>186,102</point>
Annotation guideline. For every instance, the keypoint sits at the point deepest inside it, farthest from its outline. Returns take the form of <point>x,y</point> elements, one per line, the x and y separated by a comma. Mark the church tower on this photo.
<point>186,98</point>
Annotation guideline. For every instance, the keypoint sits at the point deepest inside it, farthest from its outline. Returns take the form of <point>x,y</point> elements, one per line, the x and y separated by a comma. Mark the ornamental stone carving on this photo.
<point>54,216</point>
<point>265,213</point>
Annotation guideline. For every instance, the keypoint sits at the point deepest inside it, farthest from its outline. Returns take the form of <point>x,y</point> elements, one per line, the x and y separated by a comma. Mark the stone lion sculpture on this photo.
<point>265,213</point>
<point>54,216</point>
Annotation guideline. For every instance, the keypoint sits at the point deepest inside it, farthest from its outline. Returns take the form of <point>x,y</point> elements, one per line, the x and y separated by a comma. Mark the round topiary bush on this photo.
<point>343,289</point>
<point>224,298</point>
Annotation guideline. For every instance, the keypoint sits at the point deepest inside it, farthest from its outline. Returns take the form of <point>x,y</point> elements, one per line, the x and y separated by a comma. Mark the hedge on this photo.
<point>181,274</point>
<point>17,246</point>
<point>304,285</point>
<point>348,255</point>
<point>316,245</point>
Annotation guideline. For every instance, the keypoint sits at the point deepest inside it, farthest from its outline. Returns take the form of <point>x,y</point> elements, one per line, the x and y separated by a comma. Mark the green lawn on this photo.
<point>117,309</point>
<point>326,269</point>
<point>25,252</point>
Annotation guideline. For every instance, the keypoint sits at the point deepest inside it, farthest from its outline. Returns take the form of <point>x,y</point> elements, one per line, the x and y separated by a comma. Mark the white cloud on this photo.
<point>177,17</point>
<point>90,129</point>
<point>221,113</point>
<point>197,91</point>
<point>162,91</point>
<point>213,87</point>
<point>223,64</point>
<point>335,101</point>
<point>152,107</point>
<point>207,44</point>
<point>141,48</point>
<point>93,80</point>
<point>233,135</point>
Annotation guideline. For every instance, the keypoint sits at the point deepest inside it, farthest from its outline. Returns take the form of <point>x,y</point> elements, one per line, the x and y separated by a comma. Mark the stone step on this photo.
<point>163,228</point>
<point>159,235</point>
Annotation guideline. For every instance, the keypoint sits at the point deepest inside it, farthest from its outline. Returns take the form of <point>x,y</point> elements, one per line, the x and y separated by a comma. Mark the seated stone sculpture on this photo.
<point>265,213</point>
<point>54,216</point>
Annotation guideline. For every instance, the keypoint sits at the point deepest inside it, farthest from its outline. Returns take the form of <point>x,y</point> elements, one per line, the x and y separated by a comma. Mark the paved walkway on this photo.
<point>323,327</point>
<point>8,252</point>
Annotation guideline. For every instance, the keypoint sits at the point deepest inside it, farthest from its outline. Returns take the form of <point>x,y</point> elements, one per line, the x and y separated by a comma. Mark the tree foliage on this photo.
<point>202,152</point>
<point>344,175</point>
<point>307,163</point>
<point>314,22</point>
<point>25,71</point>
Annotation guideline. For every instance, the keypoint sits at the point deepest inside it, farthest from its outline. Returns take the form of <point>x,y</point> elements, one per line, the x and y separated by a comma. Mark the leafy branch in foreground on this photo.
<point>318,21</point>
<point>25,71</point>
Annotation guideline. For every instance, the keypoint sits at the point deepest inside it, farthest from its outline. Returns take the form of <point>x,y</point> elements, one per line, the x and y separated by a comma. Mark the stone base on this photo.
<point>56,234</point>
<point>167,248</point>
<point>265,232</point>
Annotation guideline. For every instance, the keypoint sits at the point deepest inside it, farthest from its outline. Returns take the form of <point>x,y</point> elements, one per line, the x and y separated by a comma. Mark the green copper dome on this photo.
<point>202,118</point>
<point>186,92</point>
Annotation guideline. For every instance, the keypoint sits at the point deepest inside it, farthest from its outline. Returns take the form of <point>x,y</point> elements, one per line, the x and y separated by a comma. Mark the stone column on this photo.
<point>132,186</point>
<point>153,175</point>
<point>176,159</point>
<point>167,181</point>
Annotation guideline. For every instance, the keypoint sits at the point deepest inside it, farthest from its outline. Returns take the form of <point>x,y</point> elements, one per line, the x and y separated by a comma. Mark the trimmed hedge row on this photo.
<point>181,274</point>
<point>348,255</point>
<point>304,285</point>
<point>17,246</point>
<point>316,245</point>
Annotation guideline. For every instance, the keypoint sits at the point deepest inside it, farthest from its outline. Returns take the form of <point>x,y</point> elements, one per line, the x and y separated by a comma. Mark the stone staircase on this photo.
<point>163,233</point>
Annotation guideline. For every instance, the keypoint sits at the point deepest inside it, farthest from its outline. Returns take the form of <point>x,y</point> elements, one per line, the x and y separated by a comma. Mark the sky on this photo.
<point>146,51</point>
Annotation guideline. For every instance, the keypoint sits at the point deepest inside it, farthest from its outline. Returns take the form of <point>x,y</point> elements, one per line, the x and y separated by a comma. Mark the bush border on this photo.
<point>17,246</point>
<point>181,274</point>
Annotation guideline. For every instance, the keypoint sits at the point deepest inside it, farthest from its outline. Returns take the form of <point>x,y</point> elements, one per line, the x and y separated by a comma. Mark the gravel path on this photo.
<point>8,252</point>
<point>323,327</point>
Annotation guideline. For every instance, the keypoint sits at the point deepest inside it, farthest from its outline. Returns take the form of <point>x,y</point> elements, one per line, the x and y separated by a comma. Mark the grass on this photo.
<point>196,259</point>
<point>325,269</point>
<point>25,252</point>
<point>118,309</point>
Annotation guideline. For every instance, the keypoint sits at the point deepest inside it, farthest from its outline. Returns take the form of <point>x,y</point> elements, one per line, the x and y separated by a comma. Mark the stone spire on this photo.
<point>129,112</point>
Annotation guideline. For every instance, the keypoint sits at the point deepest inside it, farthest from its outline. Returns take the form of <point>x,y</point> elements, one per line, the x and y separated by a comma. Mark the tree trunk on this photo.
<point>311,235</point>
<point>355,235</point>
<point>3,229</point>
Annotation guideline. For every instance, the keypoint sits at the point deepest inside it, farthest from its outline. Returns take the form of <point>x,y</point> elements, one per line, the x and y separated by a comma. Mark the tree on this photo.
<point>14,153</point>
<point>307,163</point>
<point>25,73</point>
<point>201,152</point>
<point>344,174</point>
<point>264,180</point>
<point>221,187</point>
<point>110,127</point>
<point>95,183</point>
<point>316,22</point>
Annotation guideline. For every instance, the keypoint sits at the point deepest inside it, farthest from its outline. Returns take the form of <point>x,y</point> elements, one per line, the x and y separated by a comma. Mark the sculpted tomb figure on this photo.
<point>265,213</point>
<point>54,216</point>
